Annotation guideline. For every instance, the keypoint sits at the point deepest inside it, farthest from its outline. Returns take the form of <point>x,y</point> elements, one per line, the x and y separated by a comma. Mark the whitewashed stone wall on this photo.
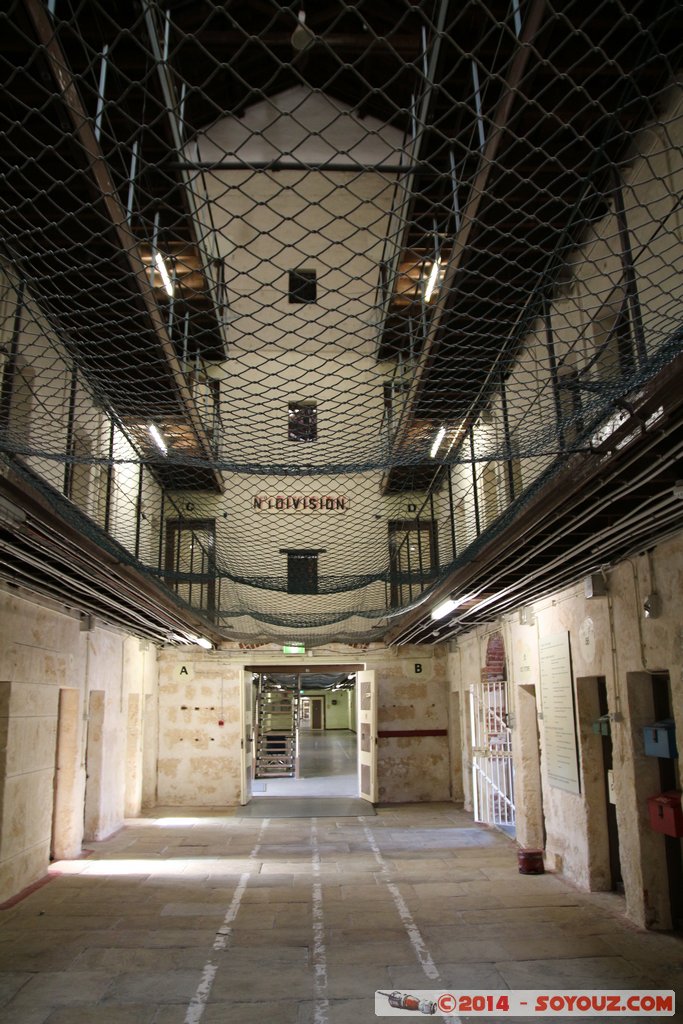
<point>609,637</point>
<point>85,689</point>
<point>199,761</point>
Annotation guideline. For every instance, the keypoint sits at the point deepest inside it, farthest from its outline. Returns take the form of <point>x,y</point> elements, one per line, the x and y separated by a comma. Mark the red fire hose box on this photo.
<point>666,813</point>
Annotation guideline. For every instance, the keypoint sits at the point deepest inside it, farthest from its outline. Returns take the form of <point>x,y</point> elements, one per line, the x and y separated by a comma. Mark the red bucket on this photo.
<point>530,862</point>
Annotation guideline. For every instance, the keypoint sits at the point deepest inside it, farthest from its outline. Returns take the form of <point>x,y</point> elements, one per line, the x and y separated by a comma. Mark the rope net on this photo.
<point>297,303</point>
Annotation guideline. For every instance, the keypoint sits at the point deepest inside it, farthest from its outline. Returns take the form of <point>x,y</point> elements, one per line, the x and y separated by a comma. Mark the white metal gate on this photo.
<point>492,774</point>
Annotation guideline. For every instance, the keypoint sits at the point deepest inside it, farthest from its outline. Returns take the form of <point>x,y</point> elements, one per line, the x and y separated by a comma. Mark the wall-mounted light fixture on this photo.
<point>595,585</point>
<point>157,437</point>
<point>445,608</point>
<point>437,442</point>
<point>165,276</point>
<point>191,638</point>
<point>201,641</point>
<point>432,279</point>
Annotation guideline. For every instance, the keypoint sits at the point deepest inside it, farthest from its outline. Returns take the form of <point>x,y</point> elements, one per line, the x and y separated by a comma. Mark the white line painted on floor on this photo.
<point>198,1001</point>
<point>319,953</point>
<point>225,930</point>
<point>417,942</point>
<point>195,1010</point>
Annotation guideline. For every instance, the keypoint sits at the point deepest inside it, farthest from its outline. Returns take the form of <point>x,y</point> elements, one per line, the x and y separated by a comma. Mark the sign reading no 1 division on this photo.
<point>310,503</point>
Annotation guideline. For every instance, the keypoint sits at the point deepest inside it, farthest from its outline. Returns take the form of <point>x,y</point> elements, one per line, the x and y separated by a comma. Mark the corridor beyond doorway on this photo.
<point>327,768</point>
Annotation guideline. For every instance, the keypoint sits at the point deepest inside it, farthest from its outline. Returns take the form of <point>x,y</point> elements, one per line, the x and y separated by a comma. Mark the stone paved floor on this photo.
<point>191,916</point>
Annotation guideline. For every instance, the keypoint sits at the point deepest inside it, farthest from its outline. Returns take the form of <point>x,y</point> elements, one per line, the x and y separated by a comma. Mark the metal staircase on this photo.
<point>277,741</point>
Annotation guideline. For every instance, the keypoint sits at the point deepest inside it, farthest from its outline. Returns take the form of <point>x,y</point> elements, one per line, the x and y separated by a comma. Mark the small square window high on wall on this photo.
<point>302,286</point>
<point>302,570</point>
<point>303,421</point>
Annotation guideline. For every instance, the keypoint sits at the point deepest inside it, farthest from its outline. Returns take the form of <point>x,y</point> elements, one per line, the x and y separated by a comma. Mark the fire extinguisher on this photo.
<point>403,1001</point>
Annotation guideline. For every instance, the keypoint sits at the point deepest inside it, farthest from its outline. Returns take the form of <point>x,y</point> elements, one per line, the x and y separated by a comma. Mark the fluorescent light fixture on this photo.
<point>161,267</point>
<point>437,441</point>
<point>158,439</point>
<point>190,638</point>
<point>432,279</point>
<point>445,608</point>
<point>200,640</point>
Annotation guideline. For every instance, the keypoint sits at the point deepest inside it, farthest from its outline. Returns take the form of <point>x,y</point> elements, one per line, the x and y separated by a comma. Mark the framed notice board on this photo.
<point>559,714</point>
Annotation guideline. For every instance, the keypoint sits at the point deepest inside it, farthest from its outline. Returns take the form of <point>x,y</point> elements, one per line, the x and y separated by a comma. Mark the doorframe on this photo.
<point>397,535</point>
<point>593,783</point>
<point>366,711</point>
<point>174,529</point>
<point>303,669</point>
<point>246,735</point>
<point>66,832</point>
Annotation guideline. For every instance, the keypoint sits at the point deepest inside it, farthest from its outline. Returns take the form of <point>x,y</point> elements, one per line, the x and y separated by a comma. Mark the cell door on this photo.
<point>611,810</point>
<point>412,557</point>
<point>191,561</point>
<point>247,735</point>
<point>317,713</point>
<point>367,735</point>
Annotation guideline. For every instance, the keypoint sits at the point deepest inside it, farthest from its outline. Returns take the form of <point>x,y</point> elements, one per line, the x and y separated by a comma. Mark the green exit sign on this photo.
<point>293,649</point>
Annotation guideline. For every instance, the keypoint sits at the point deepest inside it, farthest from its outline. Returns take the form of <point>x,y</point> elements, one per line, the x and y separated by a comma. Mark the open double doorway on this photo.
<point>309,732</point>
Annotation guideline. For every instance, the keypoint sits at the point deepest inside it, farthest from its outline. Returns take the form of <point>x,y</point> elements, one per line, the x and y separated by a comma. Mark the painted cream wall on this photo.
<point>45,653</point>
<point>337,716</point>
<point>268,223</point>
<point>120,671</point>
<point>609,637</point>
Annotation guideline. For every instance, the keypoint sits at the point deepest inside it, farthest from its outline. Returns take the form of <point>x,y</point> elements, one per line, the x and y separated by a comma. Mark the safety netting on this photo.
<point>299,301</point>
